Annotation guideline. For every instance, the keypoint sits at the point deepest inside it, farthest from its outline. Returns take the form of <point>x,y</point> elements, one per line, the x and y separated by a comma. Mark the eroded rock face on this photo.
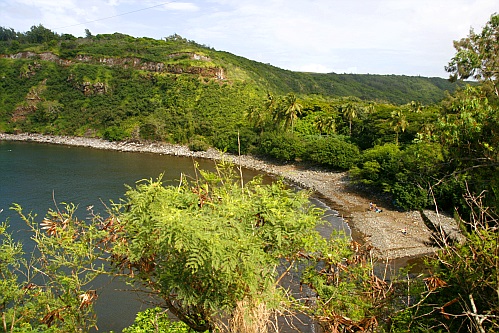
<point>137,63</point>
<point>21,55</point>
<point>88,88</point>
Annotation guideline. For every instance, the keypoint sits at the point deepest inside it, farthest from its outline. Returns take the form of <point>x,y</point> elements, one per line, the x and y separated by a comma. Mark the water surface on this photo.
<point>38,175</point>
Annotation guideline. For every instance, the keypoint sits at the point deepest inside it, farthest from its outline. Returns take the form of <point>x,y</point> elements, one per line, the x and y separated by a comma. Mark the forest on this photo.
<point>428,143</point>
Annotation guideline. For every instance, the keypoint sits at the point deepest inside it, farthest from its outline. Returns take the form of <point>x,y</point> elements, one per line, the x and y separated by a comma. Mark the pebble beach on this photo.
<point>392,234</point>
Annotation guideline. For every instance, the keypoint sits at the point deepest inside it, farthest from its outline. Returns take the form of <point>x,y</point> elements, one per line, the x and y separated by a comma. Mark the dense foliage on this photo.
<point>216,253</point>
<point>122,88</point>
<point>460,292</point>
<point>207,244</point>
<point>46,286</point>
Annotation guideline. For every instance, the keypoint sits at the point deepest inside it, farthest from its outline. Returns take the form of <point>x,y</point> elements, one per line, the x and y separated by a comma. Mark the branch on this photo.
<point>285,272</point>
<point>465,170</point>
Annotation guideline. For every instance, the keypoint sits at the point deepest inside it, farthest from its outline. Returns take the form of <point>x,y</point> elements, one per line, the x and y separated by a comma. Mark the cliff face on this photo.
<point>137,63</point>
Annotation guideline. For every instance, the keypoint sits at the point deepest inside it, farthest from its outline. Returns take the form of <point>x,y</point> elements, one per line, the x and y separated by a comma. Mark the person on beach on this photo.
<point>374,208</point>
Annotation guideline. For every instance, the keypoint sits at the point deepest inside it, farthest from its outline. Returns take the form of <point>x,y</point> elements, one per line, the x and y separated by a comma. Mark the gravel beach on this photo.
<point>393,234</point>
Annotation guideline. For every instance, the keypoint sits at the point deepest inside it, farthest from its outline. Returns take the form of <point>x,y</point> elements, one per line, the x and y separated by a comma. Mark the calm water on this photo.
<point>34,174</point>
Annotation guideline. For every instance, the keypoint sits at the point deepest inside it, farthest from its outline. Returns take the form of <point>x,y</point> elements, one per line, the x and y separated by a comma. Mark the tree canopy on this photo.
<point>477,55</point>
<point>208,244</point>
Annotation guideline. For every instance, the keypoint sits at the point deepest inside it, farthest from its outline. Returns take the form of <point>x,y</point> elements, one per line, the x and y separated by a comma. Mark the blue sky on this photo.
<point>403,37</point>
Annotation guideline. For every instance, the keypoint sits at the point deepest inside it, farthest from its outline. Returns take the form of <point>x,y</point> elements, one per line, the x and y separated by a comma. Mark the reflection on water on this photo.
<point>36,175</point>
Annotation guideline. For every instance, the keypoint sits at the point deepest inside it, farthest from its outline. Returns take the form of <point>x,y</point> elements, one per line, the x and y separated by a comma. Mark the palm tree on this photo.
<point>257,117</point>
<point>415,107</point>
<point>370,108</point>
<point>325,124</point>
<point>350,113</point>
<point>270,103</point>
<point>290,112</point>
<point>399,123</point>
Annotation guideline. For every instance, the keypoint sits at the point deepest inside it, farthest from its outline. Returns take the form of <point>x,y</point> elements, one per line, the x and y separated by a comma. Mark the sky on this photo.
<point>401,37</point>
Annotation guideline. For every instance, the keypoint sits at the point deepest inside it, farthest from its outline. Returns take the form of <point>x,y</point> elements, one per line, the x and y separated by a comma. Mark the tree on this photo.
<point>477,55</point>
<point>290,111</point>
<point>399,123</point>
<point>467,130</point>
<point>7,34</point>
<point>40,34</point>
<point>325,124</point>
<point>209,245</point>
<point>257,117</point>
<point>350,112</point>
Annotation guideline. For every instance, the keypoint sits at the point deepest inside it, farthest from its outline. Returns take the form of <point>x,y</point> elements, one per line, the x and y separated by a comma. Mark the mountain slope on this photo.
<point>183,56</point>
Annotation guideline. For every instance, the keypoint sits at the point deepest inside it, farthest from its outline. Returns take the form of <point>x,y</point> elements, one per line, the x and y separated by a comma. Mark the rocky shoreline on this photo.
<point>393,234</point>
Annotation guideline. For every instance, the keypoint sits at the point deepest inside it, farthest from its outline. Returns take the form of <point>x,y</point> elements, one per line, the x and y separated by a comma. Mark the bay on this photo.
<point>40,176</point>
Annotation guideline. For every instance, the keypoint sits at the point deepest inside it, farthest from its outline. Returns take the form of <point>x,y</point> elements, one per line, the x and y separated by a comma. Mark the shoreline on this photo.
<point>382,230</point>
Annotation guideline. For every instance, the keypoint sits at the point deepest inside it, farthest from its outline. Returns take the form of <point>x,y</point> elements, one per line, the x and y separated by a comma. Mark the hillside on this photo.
<point>181,56</point>
<point>397,89</point>
<point>120,87</point>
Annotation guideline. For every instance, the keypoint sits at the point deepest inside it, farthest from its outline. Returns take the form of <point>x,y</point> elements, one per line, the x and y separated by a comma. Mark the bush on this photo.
<point>379,166</point>
<point>156,320</point>
<point>149,132</point>
<point>209,244</point>
<point>332,152</point>
<point>228,141</point>
<point>460,294</point>
<point>198,144</point>
<point>409,196</point>
<point>115,133</point>
<point>283,146</point>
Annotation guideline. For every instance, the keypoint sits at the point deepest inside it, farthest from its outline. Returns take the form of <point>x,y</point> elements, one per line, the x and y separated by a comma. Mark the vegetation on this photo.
<point>226,253</point>
<point>156,320</point>
<point>216,251</point>
<point>50,290</point>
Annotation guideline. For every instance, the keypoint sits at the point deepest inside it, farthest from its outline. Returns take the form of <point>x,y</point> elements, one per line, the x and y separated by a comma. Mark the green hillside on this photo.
<point>177,52</point>
<point>117,86</point>
<point>396,89</point>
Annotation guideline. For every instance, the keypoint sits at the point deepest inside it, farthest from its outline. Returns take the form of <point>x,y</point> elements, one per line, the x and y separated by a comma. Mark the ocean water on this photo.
<point>40,176</point>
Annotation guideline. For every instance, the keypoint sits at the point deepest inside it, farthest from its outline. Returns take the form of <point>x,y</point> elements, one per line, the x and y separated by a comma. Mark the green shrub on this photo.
<point>409,196</point>
<point>115,133</point>
<point>149,132</point>
<point>198,144</point>
<point>234,142</point>
<point>379,166</point>
<point>156,320</point>
<point>332,152</point>
<point>281,146</point>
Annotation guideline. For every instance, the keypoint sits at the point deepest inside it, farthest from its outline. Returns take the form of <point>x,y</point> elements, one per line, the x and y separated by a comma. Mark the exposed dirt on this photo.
<point>393,234</point>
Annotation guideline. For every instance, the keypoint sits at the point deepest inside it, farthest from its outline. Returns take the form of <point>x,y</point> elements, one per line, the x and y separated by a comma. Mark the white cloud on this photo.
<point>182,6</point>
<point>314,68</point>
<point>412,37</point>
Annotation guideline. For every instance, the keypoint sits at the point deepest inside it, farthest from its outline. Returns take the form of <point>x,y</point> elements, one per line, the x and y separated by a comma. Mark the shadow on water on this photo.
<point>34,174</point>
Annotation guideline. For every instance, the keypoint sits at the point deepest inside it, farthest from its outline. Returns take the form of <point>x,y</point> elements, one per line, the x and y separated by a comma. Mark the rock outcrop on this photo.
<point>445,227</point>
<point>132,62</point>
